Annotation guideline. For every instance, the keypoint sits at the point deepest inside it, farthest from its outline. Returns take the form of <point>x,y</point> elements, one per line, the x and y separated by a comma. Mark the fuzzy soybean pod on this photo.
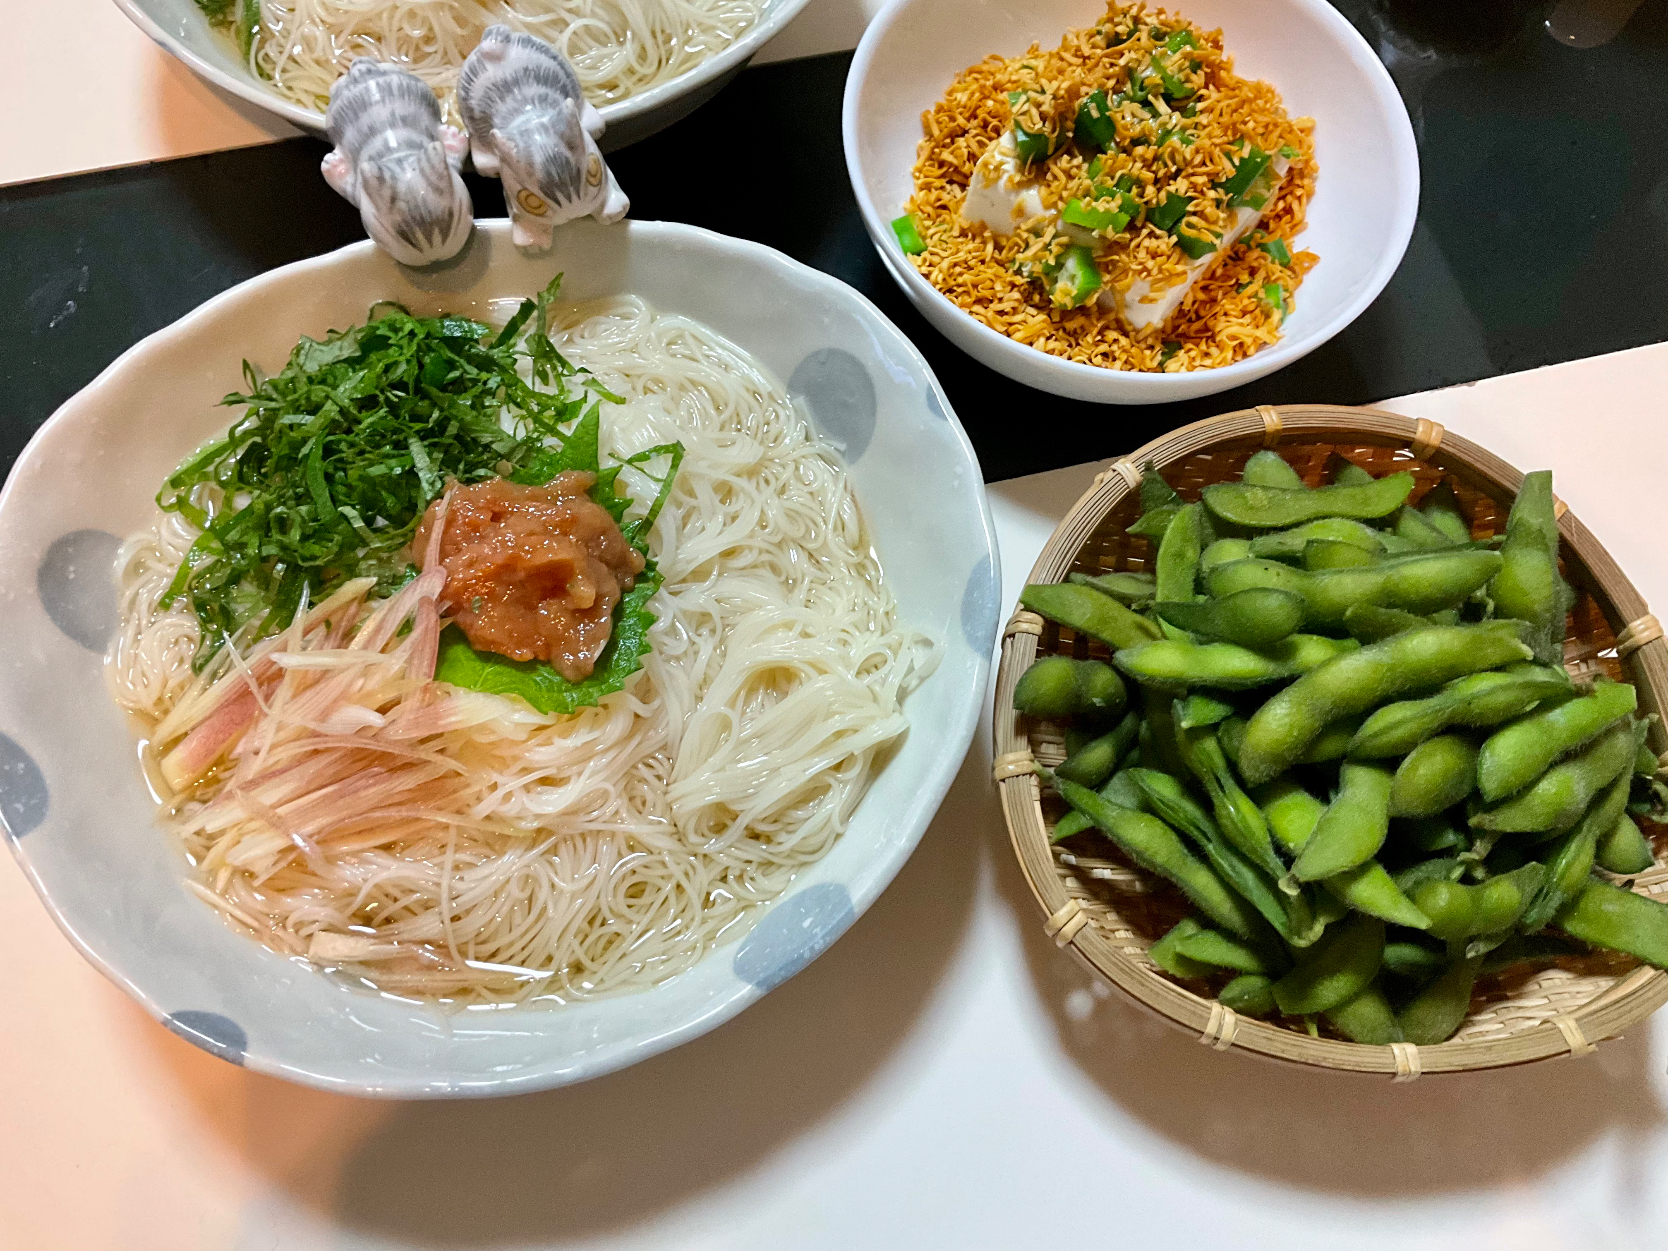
<point>1342,471</point>
<point>1255,617</point>
<point>1159,505</point>
<point>1516,754</point>
<point>1331,743</point>
<point>1134,590</point>
<point>1087,611</point>
<point>1457,911</point>
<point>1358,681</point>
<point>1439,1009</point>
<point>1434,776</point>
<point>1224,952</point>
<point>1165,954</point>
<point>1092,763</point>
<point>1276,508</point>
<point>1155,847</point>
<point>1199,709</point>
<point>1369,888</point>
<point>1477,699</point>
<point>1249,994</point>
<point>1423,582</point>
<point>1370,623</point>
<point>1367,1018</point>
<point>1414,962</point>
<point>1624,848</point>
<point>1288,545</point>
<point>1270,469</point>
<point>1058,686</point>
<point>1528,586</point>
<point>1442,508</point>
<point>1321,554</point>
<point>1240,820</point>
<point>1610,916</point>
<point>1177,566</point>
<point>1353,827</point>
<point>1571,861</point>
<point>1335,970</point>
<point>1221,552</point>
<point>1181,663</point>
<point>1556,800</point>
<point>1292,812</point>
<point>1417,529</point>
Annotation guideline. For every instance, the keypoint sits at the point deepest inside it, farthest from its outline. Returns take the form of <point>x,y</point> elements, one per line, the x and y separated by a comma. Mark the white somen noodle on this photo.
<point>445,843</point>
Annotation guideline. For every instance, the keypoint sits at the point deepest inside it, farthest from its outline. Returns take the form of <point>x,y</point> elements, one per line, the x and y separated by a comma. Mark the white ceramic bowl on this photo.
<point>76,811</point>
<point>180,27</point>
<point>1360,218</point>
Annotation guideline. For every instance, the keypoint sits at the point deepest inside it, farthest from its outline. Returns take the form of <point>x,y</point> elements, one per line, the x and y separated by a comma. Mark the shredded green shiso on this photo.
<point>327,475</point>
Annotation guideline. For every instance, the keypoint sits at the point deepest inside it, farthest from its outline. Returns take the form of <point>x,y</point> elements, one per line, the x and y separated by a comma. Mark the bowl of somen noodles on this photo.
<point>476,681</point>
<point>643,63</point>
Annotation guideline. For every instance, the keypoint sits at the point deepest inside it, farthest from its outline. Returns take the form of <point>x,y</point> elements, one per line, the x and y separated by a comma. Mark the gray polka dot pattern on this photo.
<point>793,933</point>
<point>841,397</point>
<point>218,1035</point>
<point>23,794</point>
<point>980,604</point>
<point>76,586</point>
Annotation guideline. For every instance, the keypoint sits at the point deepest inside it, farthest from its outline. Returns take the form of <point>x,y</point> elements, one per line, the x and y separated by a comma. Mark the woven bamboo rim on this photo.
<point>1097,908</point>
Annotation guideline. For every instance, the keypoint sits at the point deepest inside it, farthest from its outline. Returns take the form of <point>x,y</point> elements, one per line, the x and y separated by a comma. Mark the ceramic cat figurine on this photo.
<point>530,125</point>
<point>398,163</point>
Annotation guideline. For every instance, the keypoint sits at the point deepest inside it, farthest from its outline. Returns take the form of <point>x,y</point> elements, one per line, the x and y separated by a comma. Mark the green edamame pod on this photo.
<point>1268,468</point>
<point>1610,916</point>
<point>1289,544</point>
<point>1368,888</point>
<point>1517,754</point>
<point>1231,733</point>
<point>1478,699</point>
<point>1439,1009</point>
<point>1357,681</point>
<point>1528,586</point>
<point>1342,471</point>
<point>1074,822</point>
<point>1435,775</point>
<point>1121,790</point>
<point>1221,552</point>
<point>1414,961</point>
<point>1370,623</point>
<point>1556,800</point>
<point>1367,1018</point>
<point>1291,812</point>
<point>1091,764</point>
<point>1159,732</point>
<point>1165,955</point>
<point>1179,663</point>
<point>1442,508</point>
<point>1335,970</point>
<point>1353,827</point>
<point>1502,900</point>
<point>1159,505</point>
<point>1214,948</point>
<point>1133,590</point>
<point>1086,610</point>
<point>1436,869</point>
<point>1321,554</point>
<point>1199,710</point>
<point>1080,735</point>
<point>1423,582</point>
<point>1432,834</point>
<point>1256,617</point>
<point>1155,847</point>
<point>1571,862</point>
<point>1240,820</point>
<point>1417,529</point>
<point>1250,994</point>
<point>1624,849</point>
<point>1331,743</point>
<point>1276,508</point>
<point>1177,566</point>
<point>1058,686</point>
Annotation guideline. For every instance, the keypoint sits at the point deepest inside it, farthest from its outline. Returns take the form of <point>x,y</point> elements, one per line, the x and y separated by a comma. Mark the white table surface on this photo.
<point>942,1077</point>
<point>131,102</point>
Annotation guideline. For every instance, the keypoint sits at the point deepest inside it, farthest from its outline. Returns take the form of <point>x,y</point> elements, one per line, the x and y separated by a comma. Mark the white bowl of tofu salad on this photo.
<point>1124,204</point>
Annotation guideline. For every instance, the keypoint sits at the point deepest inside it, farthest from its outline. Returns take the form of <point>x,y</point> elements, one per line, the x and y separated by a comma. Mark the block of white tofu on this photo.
<point>1143,309</point>
<point>1002,194</point>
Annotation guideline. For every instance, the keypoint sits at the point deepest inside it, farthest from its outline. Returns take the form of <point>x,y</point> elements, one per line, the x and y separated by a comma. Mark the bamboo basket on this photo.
<point>1107,913</point>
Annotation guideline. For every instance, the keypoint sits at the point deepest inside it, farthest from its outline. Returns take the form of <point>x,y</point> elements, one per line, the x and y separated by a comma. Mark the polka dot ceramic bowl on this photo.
<point>75,808</point>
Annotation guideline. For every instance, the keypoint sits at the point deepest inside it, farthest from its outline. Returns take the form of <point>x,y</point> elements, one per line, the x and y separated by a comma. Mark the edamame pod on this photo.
<point>1357,681</point>
<point>1289,544</point>
<point>1320,554</point>
<point>1165,954</point>
<point>1571,862</point>
<point>1335,970</point>
<point>1086,610</point>
<point>1418,530</point>
<point>1609,916</point>
<point>1441,507</point>
<point>1200,710</point>
<point>1475,700</point>
<point>1458,911</point>
<point>1213,948</point>
<point>1058,686</point>
<point>1423,582</point>
<point>1154,846</point>
<point>1256,617</point>
<point>1367,1018</point>
<point>1268,468</point>
<point>1624,849</point>
<point>1436,869</point>
<point>1134,590</point>
<point>1516,754</point>
<point>1091,764</point>
<point>1159,505</point>
<point>1353,827</point>
<point>1275,508</point>
<point>1432,834</point>
<point>1435,775</point>
<point>1226,666</point>
<point>1331,743</point>
<point>1528,586</point>
<point>1221,552</point>
<point>1177,566</point>
<point>1414,961</point>
<point>1439,1009</point>
<point>1250,994</point>
<point>1291,812</point>
<point>1342,471</point>
<point>1240,820</point>
<point>1368,888</point>
<point>1556,800</point>
<point>1370,623</point>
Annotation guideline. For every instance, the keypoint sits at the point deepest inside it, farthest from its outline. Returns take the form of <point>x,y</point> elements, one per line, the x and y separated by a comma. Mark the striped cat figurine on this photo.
<point>530,125</point>
<point>398,163</point>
